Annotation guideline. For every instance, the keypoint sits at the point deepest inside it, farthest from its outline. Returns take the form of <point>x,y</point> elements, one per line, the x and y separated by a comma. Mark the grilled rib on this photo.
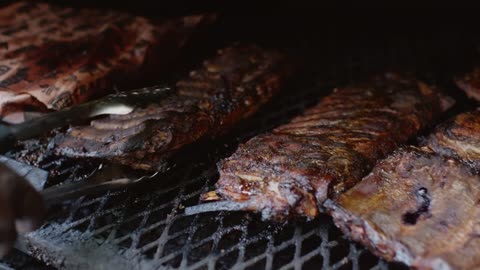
<point>229,87</point>
<point>53,57</point>
<point>459,138</point>
<point>416,207</point>
<point>328,149</point>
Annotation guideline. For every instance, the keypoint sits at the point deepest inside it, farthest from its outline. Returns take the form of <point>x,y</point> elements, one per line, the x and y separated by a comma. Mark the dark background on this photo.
<point>289,23</point>
<point>442,33</point>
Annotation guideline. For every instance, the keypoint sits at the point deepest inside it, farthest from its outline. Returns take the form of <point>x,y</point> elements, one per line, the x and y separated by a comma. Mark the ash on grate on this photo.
<point>153,232</point>
<point>144,227</point>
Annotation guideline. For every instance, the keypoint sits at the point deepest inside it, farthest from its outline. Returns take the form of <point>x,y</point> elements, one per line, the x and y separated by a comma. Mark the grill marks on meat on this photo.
<point>416,207</point>
<point>328,149</point>
<point>229,87</point>
<point>53,57</point>
<point>459,137</point>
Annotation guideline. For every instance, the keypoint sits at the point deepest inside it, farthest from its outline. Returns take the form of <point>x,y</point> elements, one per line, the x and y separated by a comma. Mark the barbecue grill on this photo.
<point>145,227</point>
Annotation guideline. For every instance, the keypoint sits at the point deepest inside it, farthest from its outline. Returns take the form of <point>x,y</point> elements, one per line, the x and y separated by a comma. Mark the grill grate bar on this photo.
<point>146,225</point>
<point>150,226</point>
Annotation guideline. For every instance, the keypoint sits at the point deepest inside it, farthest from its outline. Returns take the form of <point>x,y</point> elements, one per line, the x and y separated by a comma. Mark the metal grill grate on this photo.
<point>145,228</point>
<point>162,236</point>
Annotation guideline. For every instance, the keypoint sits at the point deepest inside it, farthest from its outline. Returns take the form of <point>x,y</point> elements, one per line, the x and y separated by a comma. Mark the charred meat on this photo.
<point>470,84</point>
<point>53,57</point>
<point>459,137</point>
<point>416,207</point>
<point>229,87</point>
<point>328,149</point>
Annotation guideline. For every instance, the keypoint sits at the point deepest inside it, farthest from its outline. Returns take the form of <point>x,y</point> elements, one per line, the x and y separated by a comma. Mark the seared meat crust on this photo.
<point>226,89</point>
<point>328,149</point>
<point>416,207</point>
<point>459,137</point>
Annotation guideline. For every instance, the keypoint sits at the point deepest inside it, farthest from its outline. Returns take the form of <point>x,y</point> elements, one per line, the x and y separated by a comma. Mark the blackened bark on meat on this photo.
<point>416,207</point>
<point>228,88</point>
<point>329,148</point>
<point>459,138</point>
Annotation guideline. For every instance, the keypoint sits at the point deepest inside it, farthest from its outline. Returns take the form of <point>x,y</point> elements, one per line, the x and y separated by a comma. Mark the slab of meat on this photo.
<point>470,83</point>
<point>415,207</point>
<point>53,57</point>
<point>459,137</point>
<point>229,87</point>
<point>328,149</point>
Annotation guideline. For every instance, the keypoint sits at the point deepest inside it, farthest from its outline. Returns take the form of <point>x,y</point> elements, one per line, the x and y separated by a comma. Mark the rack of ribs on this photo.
<point>227,88</point>
<point>416,207</point>
<point>318,155</point>
<point>53,57</point>
<point>420,205</point>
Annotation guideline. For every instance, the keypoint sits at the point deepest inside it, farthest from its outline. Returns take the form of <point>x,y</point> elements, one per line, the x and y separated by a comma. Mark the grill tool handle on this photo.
<point>61,193</point>
<point>101,181</point>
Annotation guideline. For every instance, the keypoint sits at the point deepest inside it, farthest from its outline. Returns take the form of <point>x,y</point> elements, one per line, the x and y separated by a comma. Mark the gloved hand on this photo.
<point>21,208</point>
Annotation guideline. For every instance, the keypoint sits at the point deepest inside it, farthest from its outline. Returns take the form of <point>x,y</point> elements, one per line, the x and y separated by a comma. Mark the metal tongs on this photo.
<point>102,179</point>
<point>96,183</point>
<point>119,103</point>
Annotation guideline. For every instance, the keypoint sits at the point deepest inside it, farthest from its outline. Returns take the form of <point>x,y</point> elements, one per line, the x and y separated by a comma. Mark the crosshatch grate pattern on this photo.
<point>221,240</point>
<point>151,225</point>
<point>213,240</point>
<point>145,228</point>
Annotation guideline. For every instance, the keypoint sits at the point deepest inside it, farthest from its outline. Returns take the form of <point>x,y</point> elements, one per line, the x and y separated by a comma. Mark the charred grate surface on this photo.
<point>145,228</point>
<point>153,229</point>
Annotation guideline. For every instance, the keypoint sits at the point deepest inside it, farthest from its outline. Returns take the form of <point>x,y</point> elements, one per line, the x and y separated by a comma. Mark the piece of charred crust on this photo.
<point>470,84</point>
<point>227,88</point>
<point>459,137</point>
<point>287,172</point>
<point>415,207</point>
